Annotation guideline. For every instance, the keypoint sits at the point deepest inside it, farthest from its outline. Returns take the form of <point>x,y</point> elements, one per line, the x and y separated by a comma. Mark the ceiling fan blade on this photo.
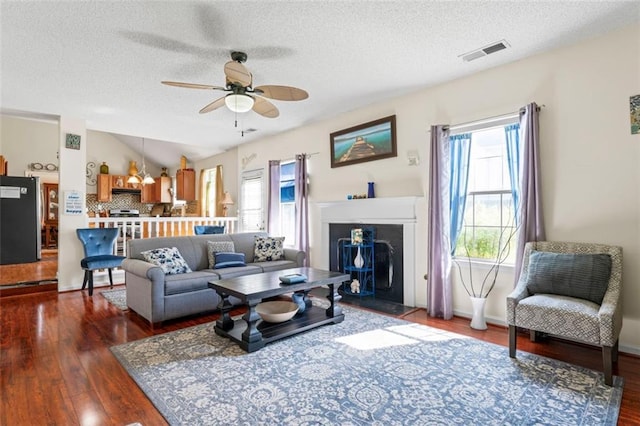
<point>237,73</point>
<point>282,93</point>
<point>192,85</point>
<point>213,105</point>
<point>265,108</point>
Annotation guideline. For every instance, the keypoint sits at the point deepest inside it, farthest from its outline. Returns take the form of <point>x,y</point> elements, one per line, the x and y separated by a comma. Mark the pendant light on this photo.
<point>143,177</point>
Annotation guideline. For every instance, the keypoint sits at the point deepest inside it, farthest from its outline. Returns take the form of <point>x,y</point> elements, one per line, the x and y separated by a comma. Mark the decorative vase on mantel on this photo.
<point>478,321</point>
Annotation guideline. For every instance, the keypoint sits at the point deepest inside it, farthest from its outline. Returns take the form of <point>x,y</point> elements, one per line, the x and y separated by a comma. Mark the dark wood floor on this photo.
<point>56,367</point>
<point>29,277</point>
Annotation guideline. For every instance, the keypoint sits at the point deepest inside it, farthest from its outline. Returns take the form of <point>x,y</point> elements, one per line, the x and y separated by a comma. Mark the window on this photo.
<point>287,203</point>
<point>251,201</point>
<point>488,227</point>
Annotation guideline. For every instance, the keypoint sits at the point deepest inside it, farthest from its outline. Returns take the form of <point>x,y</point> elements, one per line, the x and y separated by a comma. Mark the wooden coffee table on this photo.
<point>251,332</point>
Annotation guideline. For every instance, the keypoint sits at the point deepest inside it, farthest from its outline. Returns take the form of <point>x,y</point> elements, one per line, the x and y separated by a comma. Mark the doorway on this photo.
<point>41,275</point>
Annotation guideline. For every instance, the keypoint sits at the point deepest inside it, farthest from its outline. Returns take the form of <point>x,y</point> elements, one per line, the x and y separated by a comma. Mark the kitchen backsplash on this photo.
<point>131,201</point>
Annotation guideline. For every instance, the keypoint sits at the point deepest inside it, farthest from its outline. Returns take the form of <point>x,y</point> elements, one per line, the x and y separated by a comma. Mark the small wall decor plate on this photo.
<point>72,141</point>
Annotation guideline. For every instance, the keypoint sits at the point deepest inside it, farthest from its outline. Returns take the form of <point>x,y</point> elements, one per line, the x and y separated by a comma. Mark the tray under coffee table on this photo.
<point>251,332</point>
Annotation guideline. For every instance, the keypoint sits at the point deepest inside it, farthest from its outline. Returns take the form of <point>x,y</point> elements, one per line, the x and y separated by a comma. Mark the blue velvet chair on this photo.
<point>98,251</point>
<point>208,229</point>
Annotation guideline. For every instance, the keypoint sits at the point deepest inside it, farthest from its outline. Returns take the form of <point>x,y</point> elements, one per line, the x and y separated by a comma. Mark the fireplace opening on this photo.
<point>387,259</point>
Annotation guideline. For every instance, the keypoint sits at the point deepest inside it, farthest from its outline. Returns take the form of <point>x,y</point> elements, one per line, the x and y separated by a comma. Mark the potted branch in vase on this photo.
<point>479,248</point>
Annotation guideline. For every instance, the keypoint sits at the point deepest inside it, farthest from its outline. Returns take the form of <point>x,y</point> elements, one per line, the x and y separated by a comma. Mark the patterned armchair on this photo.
<point>553,291</point>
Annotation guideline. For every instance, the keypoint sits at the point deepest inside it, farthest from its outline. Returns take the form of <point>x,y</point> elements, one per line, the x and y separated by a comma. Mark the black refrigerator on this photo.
<point>19,219</point>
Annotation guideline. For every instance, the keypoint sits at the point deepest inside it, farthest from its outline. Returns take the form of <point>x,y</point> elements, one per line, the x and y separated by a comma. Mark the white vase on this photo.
<point>358,262</point>
<point>477,321</point>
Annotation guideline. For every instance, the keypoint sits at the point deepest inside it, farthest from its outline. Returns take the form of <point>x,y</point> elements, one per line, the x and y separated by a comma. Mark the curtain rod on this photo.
<point>293,158</point>
<point>488,120</point>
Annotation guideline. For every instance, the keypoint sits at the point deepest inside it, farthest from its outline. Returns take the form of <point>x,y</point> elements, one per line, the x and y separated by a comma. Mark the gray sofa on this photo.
<point>158,297</point>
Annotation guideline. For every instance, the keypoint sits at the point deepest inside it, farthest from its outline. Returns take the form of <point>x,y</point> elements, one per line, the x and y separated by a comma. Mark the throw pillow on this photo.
<point>214,247</point>
<point>584,276</point>
<point>167,258</point>
<point>268,248</point>
<point>227,260</point>
<point>208,229</point>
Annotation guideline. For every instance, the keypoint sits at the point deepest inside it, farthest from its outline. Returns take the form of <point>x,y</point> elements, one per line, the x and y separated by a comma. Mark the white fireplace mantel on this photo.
<point>368,210</point>
<point>385,210</point>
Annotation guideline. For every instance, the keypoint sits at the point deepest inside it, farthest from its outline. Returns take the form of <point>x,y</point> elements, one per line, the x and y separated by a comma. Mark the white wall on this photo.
<point>591,183</point>
<point>72,181</point>
<point>25,141</point>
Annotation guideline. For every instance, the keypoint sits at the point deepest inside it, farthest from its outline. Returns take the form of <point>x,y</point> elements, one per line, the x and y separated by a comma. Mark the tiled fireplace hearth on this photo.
<point>395,217</point>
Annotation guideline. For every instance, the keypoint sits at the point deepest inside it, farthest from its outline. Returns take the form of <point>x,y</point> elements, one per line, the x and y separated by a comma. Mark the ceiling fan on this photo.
<point>242,96</point>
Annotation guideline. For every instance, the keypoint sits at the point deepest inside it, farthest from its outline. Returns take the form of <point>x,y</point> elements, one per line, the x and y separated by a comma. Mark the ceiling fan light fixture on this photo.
<point>239,103</point>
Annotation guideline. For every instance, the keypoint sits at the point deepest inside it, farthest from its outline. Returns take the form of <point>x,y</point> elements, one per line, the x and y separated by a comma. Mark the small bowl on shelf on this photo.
<point>276,311</point>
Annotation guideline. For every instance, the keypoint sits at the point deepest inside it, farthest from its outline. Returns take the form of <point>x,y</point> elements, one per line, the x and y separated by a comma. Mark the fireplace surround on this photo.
<point>372,212</point>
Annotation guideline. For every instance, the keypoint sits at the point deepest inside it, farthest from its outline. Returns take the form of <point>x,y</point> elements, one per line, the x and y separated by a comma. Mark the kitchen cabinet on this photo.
<point>148,193</point>
<point>104,188</point>
<point>162,189</point>
<point>120,181</point>
<point>186,184</point>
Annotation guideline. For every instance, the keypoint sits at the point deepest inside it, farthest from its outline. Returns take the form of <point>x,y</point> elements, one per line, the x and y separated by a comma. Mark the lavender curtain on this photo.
<point>302,206</point>
<point>273,201</point>
<point>530,209</point>
<point>439,300</point>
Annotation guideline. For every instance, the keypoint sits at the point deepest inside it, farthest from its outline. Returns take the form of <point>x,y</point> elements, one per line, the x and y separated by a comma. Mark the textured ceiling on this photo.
<point>103,60</point>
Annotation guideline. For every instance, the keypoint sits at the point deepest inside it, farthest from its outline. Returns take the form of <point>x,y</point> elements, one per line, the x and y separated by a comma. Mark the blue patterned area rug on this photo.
<point>369,369</point>
<point>117,297</point>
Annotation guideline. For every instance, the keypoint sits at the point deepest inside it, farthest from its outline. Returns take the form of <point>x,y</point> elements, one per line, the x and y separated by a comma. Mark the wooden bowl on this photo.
<point>276,311</point>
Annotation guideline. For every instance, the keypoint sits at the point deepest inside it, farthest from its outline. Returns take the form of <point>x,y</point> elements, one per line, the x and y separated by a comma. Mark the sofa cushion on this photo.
<point>226,259</point>
<point>268,249</point>
<point>168,259</point>
<point>185,283</point>
<point>237,271</point>
<point>208,229</point>
<point>584,276</point>
<point>214,247</point>
<point>276,265</point>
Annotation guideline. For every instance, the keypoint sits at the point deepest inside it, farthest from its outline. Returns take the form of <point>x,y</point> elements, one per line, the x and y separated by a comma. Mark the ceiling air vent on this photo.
<point>484,51</point>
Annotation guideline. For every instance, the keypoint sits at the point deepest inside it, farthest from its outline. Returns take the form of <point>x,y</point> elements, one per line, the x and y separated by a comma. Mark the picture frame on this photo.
<point>370,141</point>
<point>634,106</point>
<point>72,141</point>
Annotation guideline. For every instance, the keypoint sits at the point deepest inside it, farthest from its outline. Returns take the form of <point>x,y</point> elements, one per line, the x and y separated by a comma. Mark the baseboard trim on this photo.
<point>626,349</point>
